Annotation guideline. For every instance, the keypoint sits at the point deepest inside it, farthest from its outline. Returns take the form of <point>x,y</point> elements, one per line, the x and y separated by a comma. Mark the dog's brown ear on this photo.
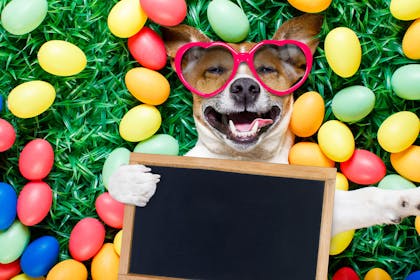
<point>304,28</point>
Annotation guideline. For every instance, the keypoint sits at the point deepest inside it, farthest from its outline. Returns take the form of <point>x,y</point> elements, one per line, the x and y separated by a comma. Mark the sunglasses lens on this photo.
<point>206,70</point>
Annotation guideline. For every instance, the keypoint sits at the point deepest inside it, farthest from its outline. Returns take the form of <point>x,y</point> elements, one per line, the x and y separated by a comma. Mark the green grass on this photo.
<point>82,124</point>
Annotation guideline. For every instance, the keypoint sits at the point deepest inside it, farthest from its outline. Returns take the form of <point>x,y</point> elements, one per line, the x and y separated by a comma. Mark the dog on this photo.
<point>237,116</point>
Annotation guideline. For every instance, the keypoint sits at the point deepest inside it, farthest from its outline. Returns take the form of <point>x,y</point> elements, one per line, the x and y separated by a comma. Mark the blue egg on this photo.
<point>414,276</point>
<point>40,256</point>
<point>1,103</point>
<point>8,201</point>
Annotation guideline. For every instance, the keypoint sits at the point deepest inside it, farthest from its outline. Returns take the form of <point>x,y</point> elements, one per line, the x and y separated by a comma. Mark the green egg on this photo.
<point>353,103</point>
<point>13,242</point>
<point>116,158</point>
<point>395,182</point>
<point>405,82</point>
<point>228,20</point>
<point>158,144</point>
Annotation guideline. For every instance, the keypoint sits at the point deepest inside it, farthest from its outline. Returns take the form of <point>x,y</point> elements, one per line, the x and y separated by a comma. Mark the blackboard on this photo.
<point>227,220</point>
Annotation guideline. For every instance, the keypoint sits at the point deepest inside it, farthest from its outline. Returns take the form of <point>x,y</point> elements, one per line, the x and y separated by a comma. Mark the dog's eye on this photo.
<point>266,70</point>
<point>216,70</point>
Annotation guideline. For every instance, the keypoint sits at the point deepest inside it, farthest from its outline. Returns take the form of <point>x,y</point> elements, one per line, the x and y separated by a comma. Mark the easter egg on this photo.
<point>68,270</point>
<point>341,182</point>
<point>417,224</point>
<point>343,51</point>
<point>23,16</point>
<point>1,103</point>
<point>340,242</point>
<point>7,135</point>
<point>345,273</point>
<point>13,241</point>
<point>308,114</point>
<point>377,274</point>
<point>414,276</point>
<point>23,276</point>
<point>109,210</point>
<point>399,131</point>
<point>36,159</point>
<point>405,9</point>
<point>404,82</point>
<point>34,202</point>
<point>411,41</point>
<point>126,18</point>
<point>148,49</point>
<point>86,239</point>
<point>148,86</point>
<point>140,123</point>
<point>30,99</point>
<point>228,20</point>
<point>8,202</point>
<point>162,144</point>
<point>310,6</point>
<point>165,12</point>
<point>9,270</point>
<point>353,103</point>
<point>105,264</point>
<point>364,168</point>
<point>395,182</point>
<point>336,140</point>
<point>40,256</point>
<point>117,242</point>
<point>407,163</point>
<point>119,156</point>
<point>308,153</point>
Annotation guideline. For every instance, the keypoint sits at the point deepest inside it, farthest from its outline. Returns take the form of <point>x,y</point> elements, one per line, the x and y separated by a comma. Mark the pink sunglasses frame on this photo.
<point>238,58</point>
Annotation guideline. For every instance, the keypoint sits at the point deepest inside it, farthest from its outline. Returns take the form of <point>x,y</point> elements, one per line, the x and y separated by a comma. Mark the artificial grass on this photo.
<point>82,124</point>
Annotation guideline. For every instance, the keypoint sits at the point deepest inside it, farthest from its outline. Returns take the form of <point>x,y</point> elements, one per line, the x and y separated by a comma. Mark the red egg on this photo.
<point>86,239</point>
<point>7,135</point>
<point>109,210</point>
<point>7,271</point>
<point>165,12</point>
<point>364,168</point>
<point>148,49</point>
<point>34,202</point>
<point>345,273</point>
<point>36,160</point>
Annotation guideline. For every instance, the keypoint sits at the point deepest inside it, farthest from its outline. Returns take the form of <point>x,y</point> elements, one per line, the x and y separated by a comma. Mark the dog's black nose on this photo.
<point>245,90</point>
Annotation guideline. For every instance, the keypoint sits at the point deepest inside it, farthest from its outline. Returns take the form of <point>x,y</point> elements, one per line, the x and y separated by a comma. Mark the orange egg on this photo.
<point>411,41</point>
<point>308,153</point>
<point>308,114</point>
<point>377,274</point>
<point>310,6</point>
<point>105,264</point>
<point>407,163</point>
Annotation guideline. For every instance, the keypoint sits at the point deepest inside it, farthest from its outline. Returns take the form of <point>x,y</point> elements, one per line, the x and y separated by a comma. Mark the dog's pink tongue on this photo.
<point>243,127</point>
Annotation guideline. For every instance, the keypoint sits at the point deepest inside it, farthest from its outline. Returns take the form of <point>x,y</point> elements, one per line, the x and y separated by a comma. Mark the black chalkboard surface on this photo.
<point>228,220</point>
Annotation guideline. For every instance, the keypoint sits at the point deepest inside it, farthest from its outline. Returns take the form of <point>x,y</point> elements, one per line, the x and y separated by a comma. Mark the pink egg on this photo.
<point>34,202</point>
<point>165,12</point>
<point>7,135</point>
<point>36,160</point>
<point>109,210</point>
<point>86,239</point>
<point>364,168</point>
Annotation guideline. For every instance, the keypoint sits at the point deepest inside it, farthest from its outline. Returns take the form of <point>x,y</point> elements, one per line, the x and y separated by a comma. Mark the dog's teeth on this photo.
<point>254,128</point>
<point>232,126</point>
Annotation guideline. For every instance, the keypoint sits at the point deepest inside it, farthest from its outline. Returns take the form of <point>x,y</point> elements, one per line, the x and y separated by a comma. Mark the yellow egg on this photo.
<point>417,224</point>
<point>341,182</point>
<point>310,6</point>
<point>140,123</point>
<point>336,140</point>
<point>26,277</point>
<point>308,114</point>
<point>309,154</point>
<point>105,264</point>
<point>343,51</point>
<point>405,9</point>
<point>340,242</point>
<point>117,242</point>
<point>377,274</point>
<point>126,18</point>
<point>399,131</point>
<point>411,41</point>
<point>68,270</point>
<point>30,99</point>
<point>407,163</point>
<point>61,58</point>
<point>148,86</point>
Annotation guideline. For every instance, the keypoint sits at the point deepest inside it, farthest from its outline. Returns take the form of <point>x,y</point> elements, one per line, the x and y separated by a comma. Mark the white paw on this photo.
<point>133,184</point>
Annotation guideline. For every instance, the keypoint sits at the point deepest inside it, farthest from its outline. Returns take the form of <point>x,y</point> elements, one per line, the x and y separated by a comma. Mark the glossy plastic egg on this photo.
<point>308,114</point>
<point>309,154</point>
<point>22,16</point>
<point>36,159</point>
<point>310,6</point>
<point>1,103</point>
<point>340,242</point>
<point>399,131</point>
<point>109,210</point>
<point>68,270</point>
<point>364,168</point>
<point>345,273</point>
<point>86,239</point>
<point>61,58</point>
<point>353,103</point>
<point>148,49</point>
<point>8,202</point>
<point>395,182</point>
<point>407,163</point>
<point>405,9</point>
<point>13,241</point>
<point>336,140</point>
<point>7,135</point>
<point>30,99</point>
<point>34,202</point>
<point>9,270</point>
<point>228,20</point>
<point>343,51</point>
<point>377,274</point>
<point>126,18</point>
<point>341,182</point>
<point>405,80</point>
<point>117,242</point>
<point>23,276</point>
<point>40,256</point>
<point>165,12</point>
<point>162,144</point>
<point>105,264</point>
<point>411,41</point>
<point>414,276</point>
<point>417,225</point>
<point>148,86</point>
<point>119,156</point>
<point>140,123</point>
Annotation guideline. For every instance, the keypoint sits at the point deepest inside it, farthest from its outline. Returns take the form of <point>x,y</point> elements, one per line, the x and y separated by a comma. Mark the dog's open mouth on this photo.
<point>242,127</point>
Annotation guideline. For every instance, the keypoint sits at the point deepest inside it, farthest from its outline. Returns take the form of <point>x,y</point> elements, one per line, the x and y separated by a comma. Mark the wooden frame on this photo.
<point>327,175</point>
